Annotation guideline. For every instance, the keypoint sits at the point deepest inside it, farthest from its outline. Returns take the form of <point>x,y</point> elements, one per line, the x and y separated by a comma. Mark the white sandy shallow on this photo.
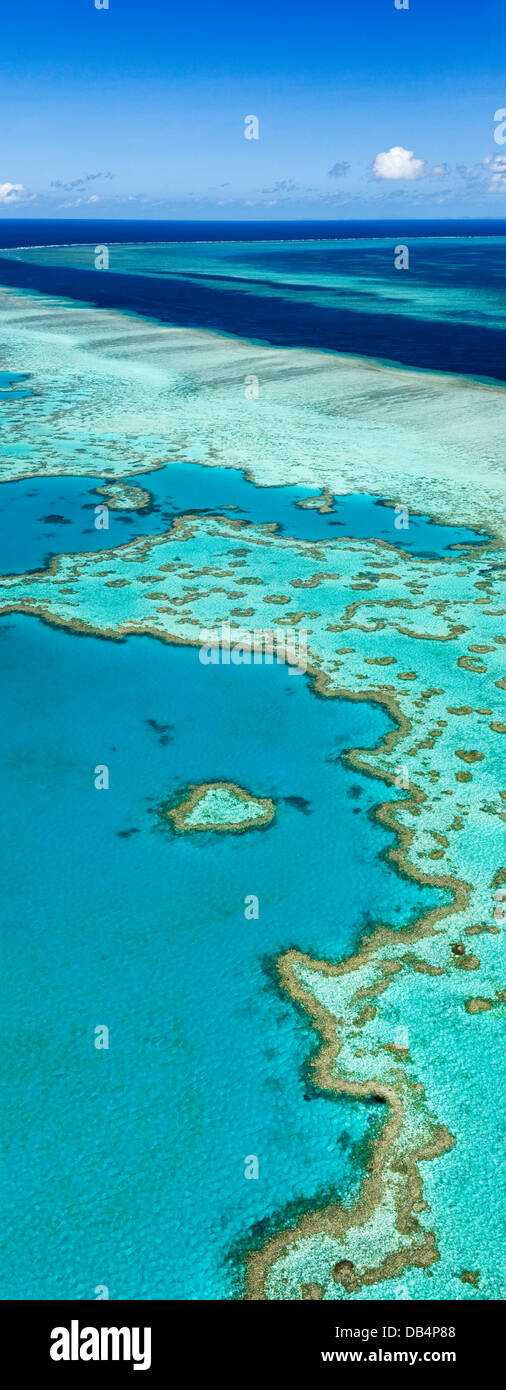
<point>115,392</point>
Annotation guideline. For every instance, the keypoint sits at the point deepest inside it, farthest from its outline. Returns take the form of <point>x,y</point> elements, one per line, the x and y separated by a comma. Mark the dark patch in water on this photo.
<point>299,802</point>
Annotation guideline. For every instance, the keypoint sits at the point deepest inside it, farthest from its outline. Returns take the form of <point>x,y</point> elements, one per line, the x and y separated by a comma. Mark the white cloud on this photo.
<point>496,165</point>
<point>78,202</point>
<point>282,186</point>
<point>398,163</point>
<point>339,170</point>
<point>470,172</point>
<point>11,192</point>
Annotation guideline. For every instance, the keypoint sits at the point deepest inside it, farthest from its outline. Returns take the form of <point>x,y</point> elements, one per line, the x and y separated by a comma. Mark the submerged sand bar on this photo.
<point>114,394</point>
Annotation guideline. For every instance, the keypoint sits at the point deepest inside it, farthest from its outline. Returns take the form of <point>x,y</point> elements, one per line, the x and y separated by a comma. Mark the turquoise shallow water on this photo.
<point>126,1166</point>
<point>42,517</point>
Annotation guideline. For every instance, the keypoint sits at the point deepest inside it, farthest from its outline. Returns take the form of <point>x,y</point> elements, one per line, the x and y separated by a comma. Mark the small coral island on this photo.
<point>220,806</point>
<point>123,497</point>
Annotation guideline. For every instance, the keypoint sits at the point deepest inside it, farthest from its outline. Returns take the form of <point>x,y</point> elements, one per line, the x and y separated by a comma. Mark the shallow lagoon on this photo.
<point>42,517</point>
<point>133,1158</point>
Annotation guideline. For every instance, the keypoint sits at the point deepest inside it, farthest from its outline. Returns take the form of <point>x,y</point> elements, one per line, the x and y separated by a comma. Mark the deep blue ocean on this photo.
<point>46,231</point>
<point>443,254</point>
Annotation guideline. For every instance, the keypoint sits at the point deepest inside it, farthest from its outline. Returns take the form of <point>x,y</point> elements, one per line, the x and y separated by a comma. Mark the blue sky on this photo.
<point>139,109</point>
